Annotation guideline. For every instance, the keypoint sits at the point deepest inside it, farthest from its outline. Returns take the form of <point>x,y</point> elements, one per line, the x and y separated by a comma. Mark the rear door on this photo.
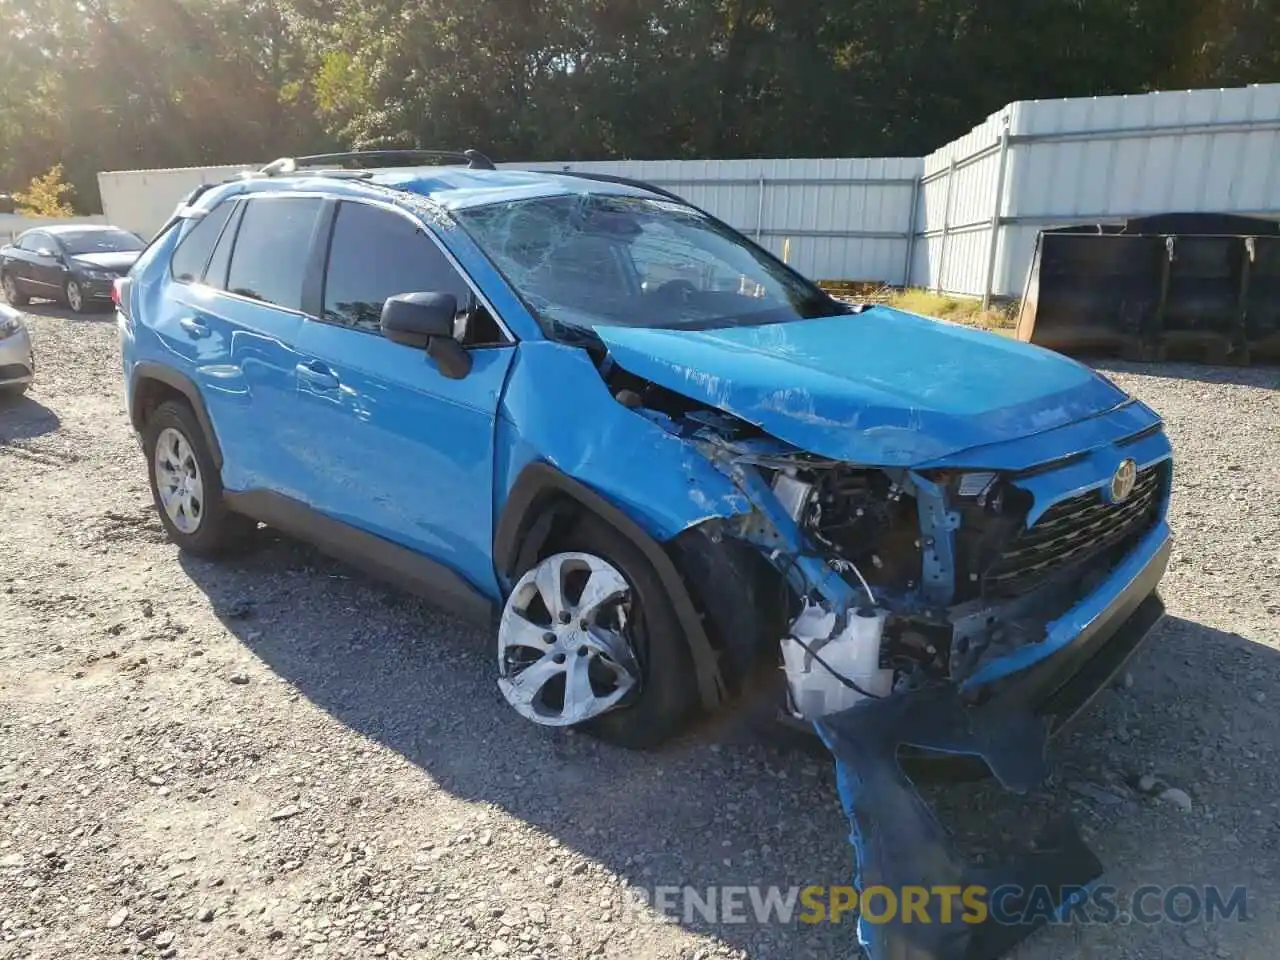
<point>235,313</point>
<point>42,266</point>
<point>18,264</point>
<point>397,448</point>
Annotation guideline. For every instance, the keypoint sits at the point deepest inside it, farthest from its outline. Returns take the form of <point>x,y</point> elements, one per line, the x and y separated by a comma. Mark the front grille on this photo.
<point>1072,532</point>
<point>12,371</point>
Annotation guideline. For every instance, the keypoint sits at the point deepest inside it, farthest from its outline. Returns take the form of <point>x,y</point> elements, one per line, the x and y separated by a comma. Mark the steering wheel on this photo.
<point>682,290</point>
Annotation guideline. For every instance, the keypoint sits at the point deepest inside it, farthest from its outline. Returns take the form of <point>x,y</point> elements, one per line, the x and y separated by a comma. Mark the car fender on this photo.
<point>561,435</point>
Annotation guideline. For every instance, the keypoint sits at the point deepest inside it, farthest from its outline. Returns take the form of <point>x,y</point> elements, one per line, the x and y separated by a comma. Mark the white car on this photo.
<point>17,361</point>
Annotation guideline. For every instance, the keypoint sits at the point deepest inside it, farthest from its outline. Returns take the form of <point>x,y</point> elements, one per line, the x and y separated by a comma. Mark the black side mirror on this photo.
<point>426,320</point>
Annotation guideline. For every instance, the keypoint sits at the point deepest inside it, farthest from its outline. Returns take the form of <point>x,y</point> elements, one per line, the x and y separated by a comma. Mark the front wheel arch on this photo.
<point>540,497</point>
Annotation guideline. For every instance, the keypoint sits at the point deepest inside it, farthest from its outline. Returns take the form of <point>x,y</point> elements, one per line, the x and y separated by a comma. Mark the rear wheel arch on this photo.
<point>544,499</point>
<point>153,384</point>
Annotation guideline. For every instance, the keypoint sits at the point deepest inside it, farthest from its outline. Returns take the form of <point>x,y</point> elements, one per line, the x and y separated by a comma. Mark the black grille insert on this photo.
<point>1072,532</point>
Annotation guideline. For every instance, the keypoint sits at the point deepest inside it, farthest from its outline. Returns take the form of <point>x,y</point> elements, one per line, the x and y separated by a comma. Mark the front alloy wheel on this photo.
<point>563,652</point>
<point>75,296</point>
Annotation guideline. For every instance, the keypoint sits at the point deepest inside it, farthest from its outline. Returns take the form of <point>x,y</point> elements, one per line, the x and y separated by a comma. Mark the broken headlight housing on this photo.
<point>859,516</point>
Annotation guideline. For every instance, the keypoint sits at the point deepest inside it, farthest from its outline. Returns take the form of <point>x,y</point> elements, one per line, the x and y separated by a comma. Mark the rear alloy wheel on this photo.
<point>178,481</point>
<point>74,295</point>
<point>589,637</point>
<point>11,293</point>
<point>187,486</point>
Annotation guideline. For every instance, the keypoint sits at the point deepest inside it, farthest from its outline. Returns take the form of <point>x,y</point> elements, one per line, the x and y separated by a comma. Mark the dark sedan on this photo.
<point>75,264</point>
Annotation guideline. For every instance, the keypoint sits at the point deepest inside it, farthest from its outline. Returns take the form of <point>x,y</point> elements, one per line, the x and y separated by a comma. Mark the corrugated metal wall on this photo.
<point>1090,160</point>
<point>931,221</point>
<point>845,219</point>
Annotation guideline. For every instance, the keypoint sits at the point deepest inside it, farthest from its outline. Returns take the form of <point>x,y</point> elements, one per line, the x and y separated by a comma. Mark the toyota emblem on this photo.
<point>1123,481</point>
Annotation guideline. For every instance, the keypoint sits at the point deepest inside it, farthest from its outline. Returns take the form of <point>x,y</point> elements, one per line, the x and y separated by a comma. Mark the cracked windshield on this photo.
<point>585,260</point>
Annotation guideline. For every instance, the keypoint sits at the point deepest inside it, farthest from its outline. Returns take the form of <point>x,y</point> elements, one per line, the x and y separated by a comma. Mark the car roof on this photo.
<point>453,188</point>
<point>61,228</point>
<point>458,188</point>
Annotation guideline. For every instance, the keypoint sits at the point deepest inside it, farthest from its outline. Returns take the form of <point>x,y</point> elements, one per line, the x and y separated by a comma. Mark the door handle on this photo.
<point>195,329</point>
<point>318,376</point>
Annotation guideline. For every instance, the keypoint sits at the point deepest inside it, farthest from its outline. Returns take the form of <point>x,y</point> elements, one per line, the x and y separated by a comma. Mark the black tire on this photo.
<point>221,531</point>
<point>85,306</point>
<point>667,696</point>
<point>18,298</point>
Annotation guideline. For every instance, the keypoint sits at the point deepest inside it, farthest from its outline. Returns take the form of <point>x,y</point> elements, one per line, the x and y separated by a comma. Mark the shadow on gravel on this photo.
<point>1261,375</point>
<point>737,804</point>
<point>22,418</point>
<point>49,308</point>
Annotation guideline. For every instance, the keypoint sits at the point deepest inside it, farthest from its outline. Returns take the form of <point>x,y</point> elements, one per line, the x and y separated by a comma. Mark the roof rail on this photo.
<point>474,159</point>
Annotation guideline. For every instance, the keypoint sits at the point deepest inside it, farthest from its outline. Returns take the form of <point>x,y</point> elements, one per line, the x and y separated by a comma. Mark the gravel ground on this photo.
<point>279,757</point>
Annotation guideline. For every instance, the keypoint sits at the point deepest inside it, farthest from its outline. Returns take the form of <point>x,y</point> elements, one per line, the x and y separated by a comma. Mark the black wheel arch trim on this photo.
<point>524,519</point>
<point>147,370</point>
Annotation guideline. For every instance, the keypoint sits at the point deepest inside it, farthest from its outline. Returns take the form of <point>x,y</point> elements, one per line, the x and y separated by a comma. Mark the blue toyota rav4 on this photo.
<point>585,410</point>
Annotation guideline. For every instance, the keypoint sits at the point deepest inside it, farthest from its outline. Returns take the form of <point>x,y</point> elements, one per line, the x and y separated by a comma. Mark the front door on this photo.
<point>396,448</point>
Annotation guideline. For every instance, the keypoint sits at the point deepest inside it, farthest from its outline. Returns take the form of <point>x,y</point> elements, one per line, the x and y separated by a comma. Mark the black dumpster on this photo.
<point>1201,286</point>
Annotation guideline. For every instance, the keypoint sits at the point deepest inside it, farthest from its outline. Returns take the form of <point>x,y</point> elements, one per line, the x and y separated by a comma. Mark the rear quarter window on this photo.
<point>193,253</point>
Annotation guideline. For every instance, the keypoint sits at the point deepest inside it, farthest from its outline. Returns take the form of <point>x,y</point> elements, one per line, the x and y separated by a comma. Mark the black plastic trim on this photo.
<point>147,370</point>
<point>381,558</point>
<point>317,261</point>
<point>229,235</point>
<point>529,494</point>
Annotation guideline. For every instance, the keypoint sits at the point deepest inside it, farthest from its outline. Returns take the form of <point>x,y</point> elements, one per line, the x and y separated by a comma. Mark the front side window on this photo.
<point>599,259</point>
<point>375,254</point>
<point>34,242</point>
<point>272,248</point>
<point>79,242</point>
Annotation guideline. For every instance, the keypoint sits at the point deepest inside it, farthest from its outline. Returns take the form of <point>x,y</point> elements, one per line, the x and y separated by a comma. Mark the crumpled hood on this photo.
<point>119,262</point>
<point>881,387</point>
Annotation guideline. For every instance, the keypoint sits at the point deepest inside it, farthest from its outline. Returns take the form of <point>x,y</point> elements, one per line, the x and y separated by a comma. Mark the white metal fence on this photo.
<point>962,220</point>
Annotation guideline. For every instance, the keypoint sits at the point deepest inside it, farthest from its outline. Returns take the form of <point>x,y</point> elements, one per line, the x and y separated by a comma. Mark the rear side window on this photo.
<point>272,248</point>
<point>192,255</point>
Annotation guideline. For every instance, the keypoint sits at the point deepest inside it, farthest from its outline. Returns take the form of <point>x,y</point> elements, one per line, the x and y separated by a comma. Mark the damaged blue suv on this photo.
<point>586,410</point>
